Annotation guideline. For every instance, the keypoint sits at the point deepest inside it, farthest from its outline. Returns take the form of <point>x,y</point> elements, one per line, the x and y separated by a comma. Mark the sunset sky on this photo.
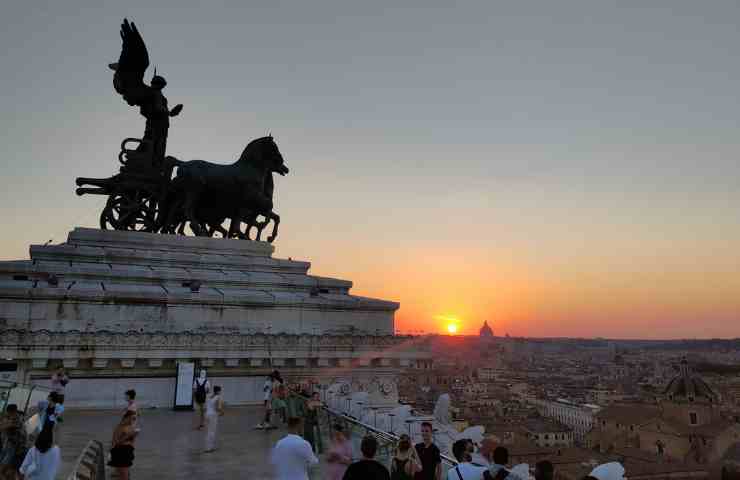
<point>566,168</point>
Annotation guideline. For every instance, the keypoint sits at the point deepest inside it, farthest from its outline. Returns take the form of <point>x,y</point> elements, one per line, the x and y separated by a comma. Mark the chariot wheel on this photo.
<point>132,210</point>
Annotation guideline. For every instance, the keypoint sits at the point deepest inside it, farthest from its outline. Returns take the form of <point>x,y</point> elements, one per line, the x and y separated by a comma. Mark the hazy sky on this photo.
<point>559,168</point>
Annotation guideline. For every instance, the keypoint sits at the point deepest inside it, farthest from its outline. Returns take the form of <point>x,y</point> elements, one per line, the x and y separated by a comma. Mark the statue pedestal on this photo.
<point>122,308</point>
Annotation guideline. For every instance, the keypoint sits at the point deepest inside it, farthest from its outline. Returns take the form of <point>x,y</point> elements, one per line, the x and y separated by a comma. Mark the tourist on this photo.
<point>311,423</point>
<point>201,389</point>
<point>464,470</point>
<point>59,381</point>
<point>499,460</point>
<point>13,434</point>
<point>292,455</point>
<point>122,445</point>
<point>214,409</point>
<point>43,459</point>
<point>431,460</point>
<point>367,468</point>
<point>267,397</point>
<point>278,396</point>
<point>50,413</point>
<point>544,470</point>
<point>296,404</point>
<point>131,405</point>
<point>405,462</point>
<point>339,455</point>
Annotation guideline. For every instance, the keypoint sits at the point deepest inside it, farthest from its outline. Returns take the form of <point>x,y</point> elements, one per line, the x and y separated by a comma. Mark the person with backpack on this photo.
<point>201,389</point>
<point>498,470</point>
<point>464,470</point>
<point>405,462</point>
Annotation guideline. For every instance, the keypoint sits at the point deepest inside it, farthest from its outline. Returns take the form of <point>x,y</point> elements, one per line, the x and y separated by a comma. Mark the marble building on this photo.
<point>120,309</point>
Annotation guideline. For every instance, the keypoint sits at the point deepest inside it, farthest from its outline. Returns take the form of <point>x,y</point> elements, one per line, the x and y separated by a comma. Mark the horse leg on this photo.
<point>260,226</point>
<point>190,216</point>
<point>234,227</point>
<point>276,221</point>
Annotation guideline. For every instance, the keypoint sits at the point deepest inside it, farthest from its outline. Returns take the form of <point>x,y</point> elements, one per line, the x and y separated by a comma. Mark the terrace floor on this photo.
<point>170,447</point>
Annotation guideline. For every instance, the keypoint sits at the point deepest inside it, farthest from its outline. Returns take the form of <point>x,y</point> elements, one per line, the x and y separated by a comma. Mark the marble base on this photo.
<point>121,308</point>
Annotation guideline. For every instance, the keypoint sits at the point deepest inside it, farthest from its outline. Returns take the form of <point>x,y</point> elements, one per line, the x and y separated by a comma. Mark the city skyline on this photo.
<point>559,170</point>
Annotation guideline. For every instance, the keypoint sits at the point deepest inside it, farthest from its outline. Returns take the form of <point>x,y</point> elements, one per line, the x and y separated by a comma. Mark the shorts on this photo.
<point>121,456</point>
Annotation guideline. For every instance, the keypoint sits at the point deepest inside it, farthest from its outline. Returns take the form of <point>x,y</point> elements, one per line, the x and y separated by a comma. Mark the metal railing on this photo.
<point>90,465</point>
<point>356,430</point>
<point>24,396</point>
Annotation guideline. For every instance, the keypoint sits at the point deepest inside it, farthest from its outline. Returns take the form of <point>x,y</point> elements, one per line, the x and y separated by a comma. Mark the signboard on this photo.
<point>184,386</point>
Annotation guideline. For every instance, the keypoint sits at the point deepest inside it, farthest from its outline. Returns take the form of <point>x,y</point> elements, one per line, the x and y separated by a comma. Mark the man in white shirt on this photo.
<point>292,455</point>
<point>267,398</point>
<point>464,469</point>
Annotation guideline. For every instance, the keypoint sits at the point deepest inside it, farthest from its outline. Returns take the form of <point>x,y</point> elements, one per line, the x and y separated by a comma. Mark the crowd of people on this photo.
<point>30,455</point>
<point>294,455</point>
<point>28,450</point>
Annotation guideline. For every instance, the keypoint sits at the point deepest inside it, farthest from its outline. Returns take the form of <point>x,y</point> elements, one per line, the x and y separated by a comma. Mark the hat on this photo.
<point>608,471</point>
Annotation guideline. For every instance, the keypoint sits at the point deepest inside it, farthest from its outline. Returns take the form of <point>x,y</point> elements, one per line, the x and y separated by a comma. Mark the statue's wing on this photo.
<point>133,62</point>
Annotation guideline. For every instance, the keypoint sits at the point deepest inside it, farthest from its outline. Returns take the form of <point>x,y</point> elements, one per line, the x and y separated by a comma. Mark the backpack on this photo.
<point>281,393</point>
<point>500,475</point>
<point>200,392</point>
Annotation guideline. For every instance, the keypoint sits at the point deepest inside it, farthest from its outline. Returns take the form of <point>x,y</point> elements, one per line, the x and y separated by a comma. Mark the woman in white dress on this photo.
<point>42,460</point>
<point>214,409</point>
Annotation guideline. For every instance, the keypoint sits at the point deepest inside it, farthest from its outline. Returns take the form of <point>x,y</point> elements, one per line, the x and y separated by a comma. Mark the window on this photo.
<point>632,428</point>
<point>693,420</point>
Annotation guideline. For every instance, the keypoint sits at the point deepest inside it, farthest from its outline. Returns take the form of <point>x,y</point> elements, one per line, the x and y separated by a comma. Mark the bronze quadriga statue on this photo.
<point>203,196</point>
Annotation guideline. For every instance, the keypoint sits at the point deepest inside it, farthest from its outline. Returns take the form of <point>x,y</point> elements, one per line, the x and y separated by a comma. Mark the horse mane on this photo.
<point>254,146</point>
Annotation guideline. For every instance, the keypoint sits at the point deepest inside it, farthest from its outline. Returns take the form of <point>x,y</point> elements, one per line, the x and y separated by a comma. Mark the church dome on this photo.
<point>485,330</point>
<point>687,386</point>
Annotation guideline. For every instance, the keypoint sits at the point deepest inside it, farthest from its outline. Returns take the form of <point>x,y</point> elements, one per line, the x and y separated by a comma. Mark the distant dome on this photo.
<point>485,330</point>
<point>687,386</point>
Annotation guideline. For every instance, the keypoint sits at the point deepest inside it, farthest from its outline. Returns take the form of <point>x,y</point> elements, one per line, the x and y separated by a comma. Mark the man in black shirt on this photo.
<point>367,468</point>
<point>431,462</point>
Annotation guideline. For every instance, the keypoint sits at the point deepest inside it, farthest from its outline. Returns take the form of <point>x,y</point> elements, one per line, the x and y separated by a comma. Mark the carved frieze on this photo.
<point>202,344</point>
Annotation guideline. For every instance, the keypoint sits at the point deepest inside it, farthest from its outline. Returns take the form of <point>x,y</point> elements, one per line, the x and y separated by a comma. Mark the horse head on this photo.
<point>264,152</point>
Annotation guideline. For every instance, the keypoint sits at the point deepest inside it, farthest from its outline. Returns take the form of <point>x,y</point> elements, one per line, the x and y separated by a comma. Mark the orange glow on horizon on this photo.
<point>452,328</point>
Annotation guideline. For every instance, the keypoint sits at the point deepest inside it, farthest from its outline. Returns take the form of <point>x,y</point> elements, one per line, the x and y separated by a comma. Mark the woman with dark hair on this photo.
<point>339,456</point>
<point>405,462</point>
<point>43,459</point>
<point>122,448</point>
<point>279,394</point>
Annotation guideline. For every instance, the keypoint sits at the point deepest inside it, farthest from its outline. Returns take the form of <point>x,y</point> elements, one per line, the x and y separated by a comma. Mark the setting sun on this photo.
<point>452,328</point>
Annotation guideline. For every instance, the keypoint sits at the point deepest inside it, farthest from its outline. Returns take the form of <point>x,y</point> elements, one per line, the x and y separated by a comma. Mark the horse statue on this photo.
<point>205,194</point>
